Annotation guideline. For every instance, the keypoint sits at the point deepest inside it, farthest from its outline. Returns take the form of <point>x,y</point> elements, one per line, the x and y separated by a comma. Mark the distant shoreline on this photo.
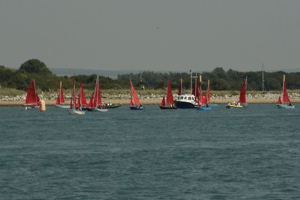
<point>151,101</point>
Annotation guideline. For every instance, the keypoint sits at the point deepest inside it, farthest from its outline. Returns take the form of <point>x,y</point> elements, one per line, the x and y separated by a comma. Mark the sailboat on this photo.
<point>97,105</point>
<point>91,104</point>
<point>208,96</point>
<point>242,101</point>
<point>204,102</point>
<point>32,99</point>
<point>60,101</point>
<point>285,103</point>
<point>83,103</point>
<point>170,100</point>
<point>73,110</point>
<point>136,105</point>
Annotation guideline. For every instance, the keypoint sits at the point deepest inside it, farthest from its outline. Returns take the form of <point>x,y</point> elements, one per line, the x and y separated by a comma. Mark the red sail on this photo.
<point>170,99</point>
<point>204,99</point>
<point>91,101</point>
<point>131,103</point>
<point>97,100</point>
<point>135,97</point>
<point>208,92</point>
<point>285,98</point>
<point>243,93</point>
<point>60,99</point>
<point>179,89</point>
<point>83,99</point>
<point>32,97</point>
<point>201,96</point>
<point>79,100</point>
<point>279,100</point>
<point>73,98</point>
<point>163,103</point>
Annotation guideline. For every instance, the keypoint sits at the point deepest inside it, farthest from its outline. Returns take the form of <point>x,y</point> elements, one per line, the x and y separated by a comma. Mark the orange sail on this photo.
<point>135,97</point>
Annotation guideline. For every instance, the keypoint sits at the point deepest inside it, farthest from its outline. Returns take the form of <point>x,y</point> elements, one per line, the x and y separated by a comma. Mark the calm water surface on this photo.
<point>251,153</point>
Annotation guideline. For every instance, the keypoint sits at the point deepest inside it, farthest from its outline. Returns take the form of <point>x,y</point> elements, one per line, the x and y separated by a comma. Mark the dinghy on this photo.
<point>32,99</point>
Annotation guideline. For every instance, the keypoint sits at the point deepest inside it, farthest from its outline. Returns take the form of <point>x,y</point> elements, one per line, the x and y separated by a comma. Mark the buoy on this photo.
<point>42,106</point>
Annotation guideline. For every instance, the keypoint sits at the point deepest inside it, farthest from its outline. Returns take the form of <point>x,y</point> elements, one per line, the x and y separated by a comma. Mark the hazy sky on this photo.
<point>168,35</point>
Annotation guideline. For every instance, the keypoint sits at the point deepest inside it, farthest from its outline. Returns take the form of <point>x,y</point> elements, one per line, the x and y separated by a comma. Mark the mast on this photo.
<point>283,88</point>
<point>60,92</point>
<point>181,85</point>
<point>34,91</point>
<point>263,79</point>
<point>191,81</point>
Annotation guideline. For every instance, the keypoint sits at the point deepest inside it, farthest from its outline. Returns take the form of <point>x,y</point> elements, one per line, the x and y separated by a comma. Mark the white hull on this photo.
<point>62,106</point>
<point>99,109</point>
<point>284,106</point>
<point>76,112</point>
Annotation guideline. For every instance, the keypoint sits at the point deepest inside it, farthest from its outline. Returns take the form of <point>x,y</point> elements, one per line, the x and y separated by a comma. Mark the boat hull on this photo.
<point>203,108</point>
<point>31,107</point>
<point>234,106</point>
<point>167,108</point>
<point>62,106</point>
<point>113,106</point>
<point>184,105</point>
<point>284,106</point>
<point>76,112</point>
<point>137,108</point>
<point>100,109</point>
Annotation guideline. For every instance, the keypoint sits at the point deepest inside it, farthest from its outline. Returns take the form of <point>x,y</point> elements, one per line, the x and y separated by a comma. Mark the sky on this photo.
<point>151,35</point>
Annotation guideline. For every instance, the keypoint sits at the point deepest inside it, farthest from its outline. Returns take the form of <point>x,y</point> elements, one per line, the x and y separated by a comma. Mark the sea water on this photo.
<point>250,153</point>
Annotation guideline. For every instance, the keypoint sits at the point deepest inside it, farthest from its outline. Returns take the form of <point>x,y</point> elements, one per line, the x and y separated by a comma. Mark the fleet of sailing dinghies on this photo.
<point>135,102</point>
<point>73,110</point>
<point>170,100</point>
<point>60,101</point>
<point>285,103</point>
<point>196,99</point>
<point>242,101</point>
<point>32,99</point>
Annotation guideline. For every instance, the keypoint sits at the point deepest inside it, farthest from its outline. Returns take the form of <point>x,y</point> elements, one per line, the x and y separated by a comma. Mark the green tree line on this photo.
<point>219,79</point>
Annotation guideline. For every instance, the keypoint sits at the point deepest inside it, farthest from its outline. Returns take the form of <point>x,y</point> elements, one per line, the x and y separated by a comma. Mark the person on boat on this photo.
<point>103,106</point>
<point>207,105</point>
<point>228,103</point>
<point>238,103</point>
<point>290,104</point>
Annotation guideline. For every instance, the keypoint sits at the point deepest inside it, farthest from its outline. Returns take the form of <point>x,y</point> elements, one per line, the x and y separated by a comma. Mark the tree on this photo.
<point>35,66</point>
